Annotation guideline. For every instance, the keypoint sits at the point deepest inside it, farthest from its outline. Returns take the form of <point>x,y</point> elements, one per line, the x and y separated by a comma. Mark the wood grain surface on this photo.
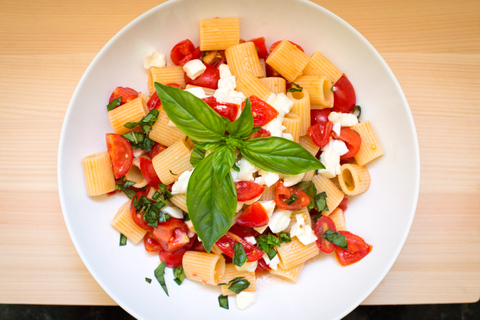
<point>433,48</point>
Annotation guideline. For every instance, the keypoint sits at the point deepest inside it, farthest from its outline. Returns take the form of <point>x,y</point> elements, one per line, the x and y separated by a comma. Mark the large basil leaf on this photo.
<point>211,205</point>
<point>223,161</point>
<point>242,127</point>
<point>279,155</point>
<point>190,114</point>
<point>196,156</point>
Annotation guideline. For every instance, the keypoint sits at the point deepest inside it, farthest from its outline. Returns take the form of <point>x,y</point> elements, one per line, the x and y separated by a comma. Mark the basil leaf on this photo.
<point>166,194</point>
<point>190,114</point>
<point>239,285</point>
<point>223,160</point>
<point>297,88</point>
<point>279,155</point>
<point>230,282</point>
<point>197,156</point>
<point>223,301</point>
<point>316,217</point>
<point>266,243</point>
<point>123,240</point>
<point>255,129</point>
<point>152,213</point>
<point>125,187</point>
<point>115,103</point>
<point>209,146</point>
<point>308,187</point>
<point>146,123</point>
<point>336,238</point>
<point>291,200</point>
<point>359,109</point>
<point>211,205</point>
<point>148,280</point>
<point>242,127</point>
<point>321,201</point>
<point>160,275</point>
<point>240,256</point>
<point>179,275</point>
<point>284,237</point>
<point>139,140</point>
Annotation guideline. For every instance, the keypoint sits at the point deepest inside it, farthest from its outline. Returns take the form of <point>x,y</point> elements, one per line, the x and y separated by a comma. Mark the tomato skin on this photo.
<point>319,115</point>
<point>154,101</point>
<point>208,79</point>
<point>248,190</point>
<point>148,172</point>
<point>174,259</point>
<point>272,72</point>
<point>169,239</point>
<point>260,134</point>
<point>121,154</point>
<point>254,216</point>
<point>243,232</point>
<point>156,149</point>
<point>198,246</point>
<point>275,44</point>
<point>262,112</point>
<point>182,52</point>
<point>138,217</point>
<point>352,140</point>
<point>320,133</point>
<point>357,249</point>
<point>261,47</point>
<point>284,193</point>
<point>126,93</point>
<point>262,266</point>
<point>225,109</point>
<point>321,226</point>
<point>343,204</point>
<point>227,244</point>
<point>344,98</point>
<point>151,245</point>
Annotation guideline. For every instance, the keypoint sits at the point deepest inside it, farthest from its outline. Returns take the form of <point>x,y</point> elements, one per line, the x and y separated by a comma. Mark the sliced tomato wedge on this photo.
<point>357,249</point>
<point>227,244</point>
<point>148,172</point>
<point>260,134</point>
<point>262,266</point>
<point>121,154</point>
<point>275,44</point>
<point>248,190</point>
<point>182,52</point>
<point>260,47</point>
<point>319,115</point>
<point>320,133</point>
<point>151,245</point>
<point>254,216</point>
<point>283,193</point>
<point>127,94</point>
<point>262,112</point>
<point>243,232</point>
<point>272,72</point>
<point>344,98</point>
<point>321,226</point>
<point>174,259</point>
<point>352,140</point>
<point>172,234</point>
<point>208,79</point>
<point>138,216</point>
<point>156,149</point>
<point>225,109</point>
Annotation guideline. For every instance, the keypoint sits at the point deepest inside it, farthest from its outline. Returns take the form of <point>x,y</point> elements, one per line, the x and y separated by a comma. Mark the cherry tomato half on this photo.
<point>174,259</point>
<point>357,249</point>
<point>151,245</point>
<point>227,244</point>
<point>208,79</point>
<point>148,172</point>
<point>138,217</point>
<point>260,134</point>
<point>172,234</point>
<point>283,193</point>
<point>262,112</point>
<point>248,190</point>
<point>343,204</point>
<point>319,115</point>
<point>156,149</point>
<point>320,133</point>
<point>323,224</point>
<point>275,44</point>
<point>225,109</point>
<point>261,47</point>
<point>254,216</point>
<point>182,52</point>
<point>272,72</point>
<point>352,140</point>
<point>262,266</point>
<point>126,93</point>
<point>121,154</point>
<point>344,98</point>
<point>243,232</point>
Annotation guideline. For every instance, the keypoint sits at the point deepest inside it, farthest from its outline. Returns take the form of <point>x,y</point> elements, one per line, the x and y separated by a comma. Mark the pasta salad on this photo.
<point>238,162</point>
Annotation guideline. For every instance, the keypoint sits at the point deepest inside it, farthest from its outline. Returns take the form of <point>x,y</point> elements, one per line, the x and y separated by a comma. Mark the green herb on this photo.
<point>123,240</point>
<point>284,237</point>
<point>230,282</point>
<point>316,217</point>
<point>163,189</point>
<point>124,186</point>
<point>197,156</point>
<point>321,201</point>
<point>346,183</point>
<point>309,188</point>
<point>186,217</point>
<point>336,238</point>
<point>267,243</point>
<point>236,168</point>
<point>242,127</point>
<point>359,109</point>
<point>179,275</point>
<point>157,196</point>
<point>115,103</point>
<point>240,256</point>
<point>139,140</point>
<point>208,146</point>
<point>356,132</point>
<point>239,285</point>
<point>160,275</point>
<point>173,174</point>
<point>291,200</point>
<point>148,280</point>
<point>223,301</point>
<point>297,89</point>
<point>146,123</point>
<point>152,210</point>
<point>223,160</point>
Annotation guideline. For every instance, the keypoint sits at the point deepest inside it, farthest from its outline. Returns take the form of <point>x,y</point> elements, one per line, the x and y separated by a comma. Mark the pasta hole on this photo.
<point>348,179</point>
<point>327,90</point>
<point>298,95</point>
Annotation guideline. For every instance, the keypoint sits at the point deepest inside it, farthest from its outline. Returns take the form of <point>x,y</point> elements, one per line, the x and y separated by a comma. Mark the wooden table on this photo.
<point>433,47</point>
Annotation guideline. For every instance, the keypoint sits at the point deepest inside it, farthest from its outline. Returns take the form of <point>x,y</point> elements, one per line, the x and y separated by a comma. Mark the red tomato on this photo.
<point>126,93</point>
<point>149,173</point>
<point>262,112</point>
<point>344,98</point>
<point>254,216</point>
<point>225,109</point>
<point>260,134</point>
<point>156,149</point>
<point>343,204</point>
<point>138,217</point>
<point>154,101</point>
<point>247,190</point>
<point>243,232</point>
<point>261,47</point>
<point>319,115</point>
<point>182,52</point>
<point>262,266</point>
<point>174,259</point>
<point>227,244</point>
<point>357,249</point>
<point>151,245</point>
<point>198,246</point>
<point>320,133</point>
<point>283,193</point>
<point>208,79</point>
<point>351,139</point>
<point>272,72</point>
<point>121,154</point>
<point>171,234</point>
<point>275,44</point>
<point>323,224</point>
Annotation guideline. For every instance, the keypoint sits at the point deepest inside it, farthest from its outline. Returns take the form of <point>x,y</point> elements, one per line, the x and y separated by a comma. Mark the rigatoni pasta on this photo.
<point>132,111</point>
<point>99,178</point>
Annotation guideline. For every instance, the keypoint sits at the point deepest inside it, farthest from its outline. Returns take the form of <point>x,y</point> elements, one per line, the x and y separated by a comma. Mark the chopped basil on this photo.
<point>284,237</point>
<point>297,89</point>
<point>173,174</point>
<point>223,301</point>
<point>239,285</point>
<point>124,185</point>
<point>336,238</point>
<point>309,188</point>
<point>179,275</point>
<point>123,240</point>
<point>152,210</point>
<point>240,256</point>
<point>115,103</point>
<point>148,280</point>
<point>230,282</point>
<point>166,194</point>
<point>236,168</point>
<point>267,242</point>
<point>359,109</point>
<point>291,200</point>
<point>146,123</point>
<point>316,217</point>
<point>321,201</point>
<point>160,275</point>
<point>156,196</point>
<point>186,217</point>
<point>139,140</point>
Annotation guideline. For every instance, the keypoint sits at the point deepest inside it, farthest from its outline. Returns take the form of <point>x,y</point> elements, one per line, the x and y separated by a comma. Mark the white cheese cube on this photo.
<point>227,82</point>
<point>173,211</point>
<point>194,68</point>
<point>248,266</point>
<point>251,240</point>
<point>291,180</point>
<point>302,231</point>
<point>271,99</point>
<point>282,104</point>
<point>330,158</point>
<point>229,95</point>
<point>245,299</point>
<point>271,263</point>
<point>275,127</point>
<point>280,220</point>
<point>197,92</point>
<point>246,170</point>
<point>224,71</point>
<point>154,59</point>
<point>287,136</point>
<point>342,120</point>
<point>180,186</point>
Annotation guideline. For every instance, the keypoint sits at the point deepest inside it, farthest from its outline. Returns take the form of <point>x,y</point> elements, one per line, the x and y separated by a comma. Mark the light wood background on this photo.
<point>433,47</point>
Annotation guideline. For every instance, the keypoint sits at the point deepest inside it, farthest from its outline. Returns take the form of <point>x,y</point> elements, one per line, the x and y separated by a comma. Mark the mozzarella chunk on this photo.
<point>342,120</point>
<point>194,68</point>
<point>245,299</point>
<point>138,152</point>
<point>154,59</point>
<point>269,206</point>
<point>260,180</point>
<point>282,104</point>
<point>251,240</point>
<point>234,174</point>
<point>275,127</point>
<point>248,266</point>
<point>291,180</point>
<point>224,71</point>
<point>271,263</point>
<point>239,206</point>
<point>302,231</point>
<point>197,92</point>
<point>227,82</point>
<point>270,178</point>
<point>229,95</point>
<point>173,211</point>
<point>246,170</point>
<point>171,124</point>
<point>271,98</point>
<point>249,202</point>
<point>280,220</point>
<point>331,158</point>
<point>287,136</point>
<point>180,186</point>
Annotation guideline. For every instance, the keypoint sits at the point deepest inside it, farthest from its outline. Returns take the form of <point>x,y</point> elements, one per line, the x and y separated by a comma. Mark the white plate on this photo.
<point>382,216</point>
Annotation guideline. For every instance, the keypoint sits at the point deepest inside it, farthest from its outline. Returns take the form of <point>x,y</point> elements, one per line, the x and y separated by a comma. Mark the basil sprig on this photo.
<point>139,140</point>
<point>212,198</point>
<point>336,238</point>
